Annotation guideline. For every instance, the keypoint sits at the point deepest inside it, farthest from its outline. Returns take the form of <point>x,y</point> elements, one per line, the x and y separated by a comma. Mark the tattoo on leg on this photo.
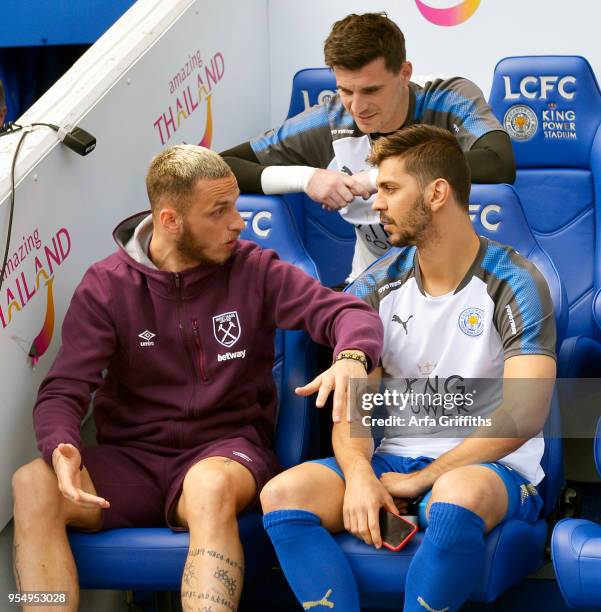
<point>189,574</point>
<point>216,598</point>
<point>201,552</point>
<point>189,599</point>
<point>228,582</point>
<point>16,567</point>
<point>228,461</point>
<point>234,563</point>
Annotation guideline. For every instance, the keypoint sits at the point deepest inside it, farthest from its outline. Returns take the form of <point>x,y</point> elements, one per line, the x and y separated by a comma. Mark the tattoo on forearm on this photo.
<point>228,582</point>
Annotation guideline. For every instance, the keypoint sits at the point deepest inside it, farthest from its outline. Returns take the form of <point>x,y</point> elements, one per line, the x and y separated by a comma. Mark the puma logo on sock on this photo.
<point>307,605</point>
<point>422,603</point>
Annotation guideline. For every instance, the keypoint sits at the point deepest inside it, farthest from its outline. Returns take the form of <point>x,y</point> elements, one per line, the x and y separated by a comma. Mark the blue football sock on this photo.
<point>313,563</point>
<point>447,565</point>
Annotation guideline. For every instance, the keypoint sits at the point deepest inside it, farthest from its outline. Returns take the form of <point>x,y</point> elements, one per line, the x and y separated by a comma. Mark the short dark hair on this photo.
<point>357,40</point>
<point>429,153</point>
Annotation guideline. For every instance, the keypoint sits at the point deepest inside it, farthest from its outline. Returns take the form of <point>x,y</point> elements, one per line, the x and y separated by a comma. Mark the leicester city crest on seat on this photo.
<point>226,328</point>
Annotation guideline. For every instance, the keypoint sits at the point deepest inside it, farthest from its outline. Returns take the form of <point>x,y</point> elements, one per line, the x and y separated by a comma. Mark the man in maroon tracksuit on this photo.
<point>175,331</point>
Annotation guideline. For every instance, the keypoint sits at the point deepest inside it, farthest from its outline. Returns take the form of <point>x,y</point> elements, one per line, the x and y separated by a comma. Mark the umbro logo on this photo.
<point>242,456</point>
<point>147,336</point>
<point>397,319</point>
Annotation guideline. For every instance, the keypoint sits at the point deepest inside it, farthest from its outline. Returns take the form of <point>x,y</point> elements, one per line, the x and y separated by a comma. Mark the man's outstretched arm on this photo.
<point>294,157</point>
<point>491,160</point>
<point>294,300</point>
<point>330,188</point>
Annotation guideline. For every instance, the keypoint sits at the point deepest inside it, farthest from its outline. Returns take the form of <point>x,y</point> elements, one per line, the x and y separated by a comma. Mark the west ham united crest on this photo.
<point>226,328</point>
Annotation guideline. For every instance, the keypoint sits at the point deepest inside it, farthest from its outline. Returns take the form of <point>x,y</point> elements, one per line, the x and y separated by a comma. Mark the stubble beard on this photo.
<point>417,226</point>
<point>191,252</point>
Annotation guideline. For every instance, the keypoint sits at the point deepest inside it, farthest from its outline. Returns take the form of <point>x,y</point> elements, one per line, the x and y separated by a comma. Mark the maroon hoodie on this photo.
<point>181,359</point>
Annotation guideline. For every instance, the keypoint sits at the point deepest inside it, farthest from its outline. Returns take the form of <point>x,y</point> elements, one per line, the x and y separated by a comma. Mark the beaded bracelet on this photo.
<point>354,356</point>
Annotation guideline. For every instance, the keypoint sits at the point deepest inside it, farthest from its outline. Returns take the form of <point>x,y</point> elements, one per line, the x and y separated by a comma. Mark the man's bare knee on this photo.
<point>311,487</point>
<point>285,491</point>
<point>35,492</point>
<point>455,488</point>
<point>39,502</point>
<point>476,488</point>
<point>209,495</point>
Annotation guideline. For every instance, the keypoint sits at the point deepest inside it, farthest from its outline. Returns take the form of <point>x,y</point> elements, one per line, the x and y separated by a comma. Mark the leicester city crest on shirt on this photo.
<point>471,321</point>
<point>226,328</point>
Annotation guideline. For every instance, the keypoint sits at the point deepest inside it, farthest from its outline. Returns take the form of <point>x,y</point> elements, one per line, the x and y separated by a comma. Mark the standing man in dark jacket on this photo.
<point>182,319</point>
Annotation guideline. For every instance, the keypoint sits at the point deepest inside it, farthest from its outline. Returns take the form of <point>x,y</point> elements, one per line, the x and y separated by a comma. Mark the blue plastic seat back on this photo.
<point>576,553</point>
<point>496,213</point>
<point>311,86</point>
<point>330,241</point>
<point>270,224</point>
<point>551,107</point>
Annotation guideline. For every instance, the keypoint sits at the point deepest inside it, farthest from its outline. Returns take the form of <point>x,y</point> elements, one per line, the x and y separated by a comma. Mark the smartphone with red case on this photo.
<point>395,530</point>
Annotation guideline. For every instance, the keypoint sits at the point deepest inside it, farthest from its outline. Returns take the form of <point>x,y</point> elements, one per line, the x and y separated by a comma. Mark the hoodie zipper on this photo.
<point>182,332</point>
<point>201,366</point>
<point>189,411</point>
<point>199,349</point>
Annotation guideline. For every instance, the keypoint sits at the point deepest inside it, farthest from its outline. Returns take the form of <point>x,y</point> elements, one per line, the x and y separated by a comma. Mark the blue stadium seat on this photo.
<point>497,213</point>
<point>576,551</point>
<point>551,107</point>
<point>329,240</point>
<point>311,86</point>
<point>515,548</point>
<point>153,559</point>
